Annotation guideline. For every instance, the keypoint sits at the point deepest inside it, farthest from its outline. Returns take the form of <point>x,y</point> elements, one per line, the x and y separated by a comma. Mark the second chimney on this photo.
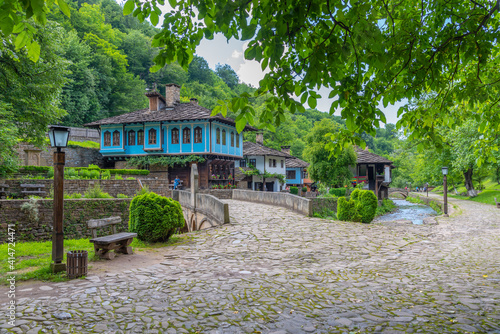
<point>285,149</point>
<point>193,101</point>
<point>259,138</point>
<point>172,94</point>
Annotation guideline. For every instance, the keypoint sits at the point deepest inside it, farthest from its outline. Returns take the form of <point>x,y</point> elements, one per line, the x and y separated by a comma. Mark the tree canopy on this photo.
<point>367,53</point>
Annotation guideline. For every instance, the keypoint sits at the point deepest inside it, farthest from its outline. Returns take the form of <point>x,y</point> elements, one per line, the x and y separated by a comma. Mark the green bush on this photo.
<point>121,196</point>
<point>118,177</point>
<point>72,196</point>
<point>144,190</point>
<point>50,173</point>
<point>96,192</point>
<point>94,174</point>
<point>84,174</point>
<point>35,168</point>
<point>294,190</point>
<point>129,171</point>
<point>154,218</point>
<point>129,178</point>
<point>304,189</point>
<point>361,207</point>
<point>346,210</point>
<point>366,205</point>
<point>106,175</point>
<point>338,191</point>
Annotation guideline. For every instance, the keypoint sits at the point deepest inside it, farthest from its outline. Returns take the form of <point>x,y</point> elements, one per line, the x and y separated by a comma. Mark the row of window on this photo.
<point>186,137</point>
<point>291,174</point>
<point>272,163</point>
<point>219,138</point>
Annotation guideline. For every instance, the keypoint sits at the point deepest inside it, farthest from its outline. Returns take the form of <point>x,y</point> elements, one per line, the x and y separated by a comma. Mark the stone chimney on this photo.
<point>259,138</point>
<point>285,149</point>
<point>172,94</point>
<point>193,101</point>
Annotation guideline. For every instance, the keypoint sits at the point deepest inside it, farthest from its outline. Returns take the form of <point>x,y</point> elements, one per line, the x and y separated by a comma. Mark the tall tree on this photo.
<point>227,74</point>
<point>200,71</point>
<point>330,170</point>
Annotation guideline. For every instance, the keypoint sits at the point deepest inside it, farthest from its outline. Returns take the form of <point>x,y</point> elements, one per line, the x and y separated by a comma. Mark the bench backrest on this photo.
<point>94,224</point>
<point>3,186</point>
<point>33,185</point>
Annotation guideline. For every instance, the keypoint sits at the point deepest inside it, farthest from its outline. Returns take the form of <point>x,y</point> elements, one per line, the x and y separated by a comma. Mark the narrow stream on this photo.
<point>408,211</point>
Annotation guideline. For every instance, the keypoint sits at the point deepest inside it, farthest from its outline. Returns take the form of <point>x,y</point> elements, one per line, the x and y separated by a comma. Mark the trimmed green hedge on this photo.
<point>129,171</point>
<point>294,190</point>
<point>338,191</point>
<point>41,169</point>
<point>154,218</point>
<point>361,207</point>
<point>46,169</point>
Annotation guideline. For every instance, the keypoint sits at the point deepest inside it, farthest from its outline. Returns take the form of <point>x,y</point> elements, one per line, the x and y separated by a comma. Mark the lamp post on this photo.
<point>58,136</point>
<point>445,186</point>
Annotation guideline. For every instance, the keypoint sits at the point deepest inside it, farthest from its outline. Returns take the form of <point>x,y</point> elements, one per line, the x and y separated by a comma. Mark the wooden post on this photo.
<point>57,228</point>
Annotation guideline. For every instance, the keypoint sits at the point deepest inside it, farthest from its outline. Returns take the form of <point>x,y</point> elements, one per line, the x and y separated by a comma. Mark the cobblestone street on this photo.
<point>275,271</point>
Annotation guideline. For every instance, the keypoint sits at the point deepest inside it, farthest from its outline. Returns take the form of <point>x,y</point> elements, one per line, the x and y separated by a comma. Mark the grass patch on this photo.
<point>415,200</point>
<point>87,144</point>
<point>32,259</point>
<point>386,207</point>
<point>487,197</point>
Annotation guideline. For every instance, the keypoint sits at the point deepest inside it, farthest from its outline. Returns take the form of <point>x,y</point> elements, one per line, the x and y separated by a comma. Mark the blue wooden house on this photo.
<point>296,171</point>
<point>171,128</point>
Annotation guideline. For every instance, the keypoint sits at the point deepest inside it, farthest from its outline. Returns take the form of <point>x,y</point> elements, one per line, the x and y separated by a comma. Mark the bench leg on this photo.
<point>125,248</point>
<point>108,255</point>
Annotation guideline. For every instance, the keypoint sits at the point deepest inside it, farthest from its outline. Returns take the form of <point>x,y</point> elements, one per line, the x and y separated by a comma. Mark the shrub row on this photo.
<point>338,191</point>
<point>47,169</point>
<point>361,207</point>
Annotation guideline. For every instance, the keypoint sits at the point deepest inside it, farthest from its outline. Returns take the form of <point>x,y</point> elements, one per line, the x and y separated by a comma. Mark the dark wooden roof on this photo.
<point>366,157</point>
<point>179,112</point>
<point>296,163</point>
<point>250,148</point>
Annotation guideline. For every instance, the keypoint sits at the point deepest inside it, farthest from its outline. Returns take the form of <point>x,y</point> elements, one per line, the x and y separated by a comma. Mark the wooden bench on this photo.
<point>33,189</point>
<point>119,242</point>
<point>497,203</point>
<point>3,189</point>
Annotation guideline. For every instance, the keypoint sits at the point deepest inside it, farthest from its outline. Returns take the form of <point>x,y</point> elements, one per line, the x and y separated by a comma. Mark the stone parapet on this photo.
<point>289,201</point>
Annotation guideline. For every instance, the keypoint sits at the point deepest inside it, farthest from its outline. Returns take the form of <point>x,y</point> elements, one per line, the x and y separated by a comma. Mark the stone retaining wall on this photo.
<point>75,156</point>
<point>319,205</point>
<point>113,187</point>
<point>292,202</point>
<point>76,214</point>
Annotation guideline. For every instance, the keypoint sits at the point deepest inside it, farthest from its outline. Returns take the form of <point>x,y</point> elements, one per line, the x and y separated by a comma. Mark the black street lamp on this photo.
<point>445,186</point>
<point>58,136</point>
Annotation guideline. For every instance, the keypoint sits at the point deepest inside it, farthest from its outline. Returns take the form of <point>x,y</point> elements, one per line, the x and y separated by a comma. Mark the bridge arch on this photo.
<point>400,191</point>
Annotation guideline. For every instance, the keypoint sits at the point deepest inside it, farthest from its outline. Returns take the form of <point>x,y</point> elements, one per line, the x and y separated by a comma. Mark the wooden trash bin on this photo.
<point>76,263</point>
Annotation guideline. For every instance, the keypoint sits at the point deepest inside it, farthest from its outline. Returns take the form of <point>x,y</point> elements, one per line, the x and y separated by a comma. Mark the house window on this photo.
<point>131,138</point>
<point>232,139</point>
<point>152,137</point>
<point>217,136</point>
<point>223,137</point>
<point>140,137</point>
<point>304,175</point>
<point>274,163</point>
<point>237,140</point>
<point>290,174</point>
<point>116,138</point>
<point>243,163</point>
<point>175,136</point>
<point>198,135</point>
<point>282,163</point>
<point>253,162</point>
<point>186,135</point>
<point>107,138</point>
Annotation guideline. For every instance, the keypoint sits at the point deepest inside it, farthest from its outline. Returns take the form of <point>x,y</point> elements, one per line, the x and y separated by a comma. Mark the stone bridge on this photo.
<point>401,191</point>
<point>200,211</point>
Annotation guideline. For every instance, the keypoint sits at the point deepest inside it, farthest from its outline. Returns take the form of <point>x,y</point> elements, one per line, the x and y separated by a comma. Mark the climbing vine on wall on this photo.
<point>142,162</point>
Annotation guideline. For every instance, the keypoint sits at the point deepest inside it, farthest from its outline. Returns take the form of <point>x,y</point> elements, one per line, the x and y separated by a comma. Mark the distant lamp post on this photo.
<point>445,186</point>
<point>58,136</point>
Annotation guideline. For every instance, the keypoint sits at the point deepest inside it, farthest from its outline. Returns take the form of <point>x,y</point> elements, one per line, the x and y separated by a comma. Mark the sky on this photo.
<point>231,52</point>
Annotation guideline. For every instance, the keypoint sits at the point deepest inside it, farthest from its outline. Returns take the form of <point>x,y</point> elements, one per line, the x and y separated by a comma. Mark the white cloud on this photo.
<point>236,54</point>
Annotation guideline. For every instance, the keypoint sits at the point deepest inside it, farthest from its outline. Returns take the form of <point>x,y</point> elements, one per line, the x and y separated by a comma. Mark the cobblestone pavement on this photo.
<point>274,271</point>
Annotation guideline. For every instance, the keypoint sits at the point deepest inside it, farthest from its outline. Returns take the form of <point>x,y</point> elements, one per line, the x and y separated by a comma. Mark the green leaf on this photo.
<point>63,6</point>
<point>34,51</point>
<point>240,124</point>
<point>155,68</point>
<point>129,7</point>
<point>21,39</point>
<point>154,18</point>
<point>312,102</point>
